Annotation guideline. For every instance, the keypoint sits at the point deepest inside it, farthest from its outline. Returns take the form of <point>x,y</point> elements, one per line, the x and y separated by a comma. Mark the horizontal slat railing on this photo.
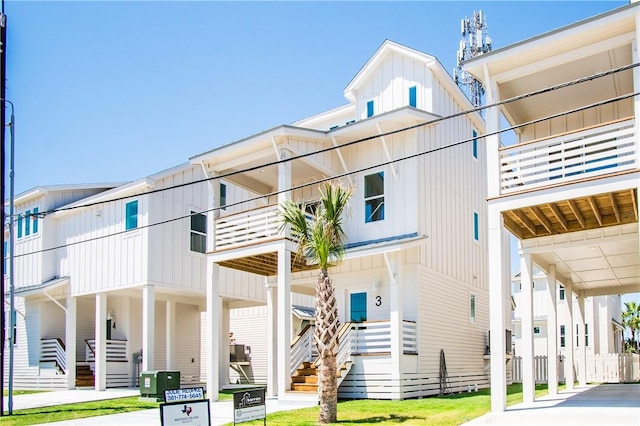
<point>53,350</point>
<point>245,227</point>
<point>302,348</point>
<point>116,350</point>
<point>578,155</point>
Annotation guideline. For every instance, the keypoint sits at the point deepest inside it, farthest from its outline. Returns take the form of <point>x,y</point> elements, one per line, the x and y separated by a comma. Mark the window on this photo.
<point>358,307</point>
<point>370,109</point>
<point>562,336</point>
<point>536,330</point>
<point>27,223</point>
<point>4,256</point>
<point>577,336</point>
<point>374,197</point>
<point>476,226</point>
<point>412,96</point>
<point>19,226</point>
<point>35,220</point>
<point>475,145</point>
<point>586,334</point>
<point>198,232</point>
<point>472,308</point>
<point>561,293</point>
<point>131,215</point>
<point>223,195</point>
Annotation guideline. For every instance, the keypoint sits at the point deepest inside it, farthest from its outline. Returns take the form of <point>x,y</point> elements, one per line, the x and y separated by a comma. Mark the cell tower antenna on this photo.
<point>475,41</point>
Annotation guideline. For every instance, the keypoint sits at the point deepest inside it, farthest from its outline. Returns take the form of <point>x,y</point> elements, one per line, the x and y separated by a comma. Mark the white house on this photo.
<point>602,327</point>
<point>568,188</point>
<point>414,279</point>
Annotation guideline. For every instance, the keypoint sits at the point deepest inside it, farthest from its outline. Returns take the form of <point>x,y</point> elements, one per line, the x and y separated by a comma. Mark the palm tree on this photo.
<point>321,241</point>
<point>631,320</point>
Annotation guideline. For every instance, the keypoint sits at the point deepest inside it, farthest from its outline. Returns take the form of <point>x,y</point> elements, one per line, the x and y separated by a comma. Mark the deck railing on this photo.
<point>53,351</point>
<point>247,227</point>
<point>116,350</point>
<point>577,155</point>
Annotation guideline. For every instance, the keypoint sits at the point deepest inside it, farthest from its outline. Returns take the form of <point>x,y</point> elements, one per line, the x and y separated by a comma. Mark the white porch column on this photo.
<point>170,335</point>
<point>272,343</point>
<point>498,259</point>
<point>214,314</point>
<point>570,343</point>
<point>148,327</point>
<point>225,346</point>
<point>284,321</point>
<point>552,330</point>
<point>396,314</point>
<point>526,301</point>
<point>582,347</point>
<point>101,342</point>
<point>70,340</point>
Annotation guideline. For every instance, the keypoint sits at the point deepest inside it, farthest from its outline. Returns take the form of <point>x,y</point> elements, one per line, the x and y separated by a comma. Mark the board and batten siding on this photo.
<point>171,263</point>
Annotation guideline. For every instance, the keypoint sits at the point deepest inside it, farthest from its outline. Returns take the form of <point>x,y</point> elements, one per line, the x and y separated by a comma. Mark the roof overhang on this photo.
<point>40,288</point>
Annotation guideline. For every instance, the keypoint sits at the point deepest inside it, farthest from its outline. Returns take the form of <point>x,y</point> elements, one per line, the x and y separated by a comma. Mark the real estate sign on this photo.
<point>249,405</point>
<point>193,413</point>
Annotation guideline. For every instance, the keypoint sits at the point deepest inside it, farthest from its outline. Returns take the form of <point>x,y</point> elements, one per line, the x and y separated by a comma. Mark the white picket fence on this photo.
<point>601,368</point>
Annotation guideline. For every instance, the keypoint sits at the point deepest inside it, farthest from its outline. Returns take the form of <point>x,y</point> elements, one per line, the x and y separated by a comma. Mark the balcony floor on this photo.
<point>266,264</point>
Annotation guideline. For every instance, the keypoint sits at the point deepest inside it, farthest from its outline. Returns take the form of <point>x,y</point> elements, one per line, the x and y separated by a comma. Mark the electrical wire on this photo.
<point>342,175</point>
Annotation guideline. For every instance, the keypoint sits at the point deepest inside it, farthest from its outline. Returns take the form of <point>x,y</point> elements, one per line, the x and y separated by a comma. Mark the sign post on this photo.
<point>249,405</point>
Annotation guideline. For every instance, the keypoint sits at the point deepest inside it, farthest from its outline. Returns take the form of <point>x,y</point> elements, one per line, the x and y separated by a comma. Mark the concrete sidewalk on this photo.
<point>597,405</point>
<point>221,412</point>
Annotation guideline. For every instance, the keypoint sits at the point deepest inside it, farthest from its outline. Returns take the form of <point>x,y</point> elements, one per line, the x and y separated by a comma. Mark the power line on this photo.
<point>345,174</point>
<point>364,139</point>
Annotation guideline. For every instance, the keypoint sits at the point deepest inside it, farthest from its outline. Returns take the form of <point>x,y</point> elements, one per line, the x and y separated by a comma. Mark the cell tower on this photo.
<point>475,42</point>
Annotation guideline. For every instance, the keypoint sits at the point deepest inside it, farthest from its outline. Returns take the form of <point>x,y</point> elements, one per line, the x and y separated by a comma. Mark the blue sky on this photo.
<point>115,91</point>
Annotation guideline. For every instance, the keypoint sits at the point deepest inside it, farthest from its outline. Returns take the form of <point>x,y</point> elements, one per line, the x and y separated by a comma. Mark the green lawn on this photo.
<point>445,411</point>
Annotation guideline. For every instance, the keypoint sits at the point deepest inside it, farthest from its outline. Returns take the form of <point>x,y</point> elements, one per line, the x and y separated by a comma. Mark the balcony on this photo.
<point>584,155</point>
<point>236,234</point>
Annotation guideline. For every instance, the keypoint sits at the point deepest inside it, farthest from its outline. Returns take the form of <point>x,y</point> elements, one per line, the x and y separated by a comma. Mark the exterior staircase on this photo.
<point>305,379</point>
<point>84,376</point>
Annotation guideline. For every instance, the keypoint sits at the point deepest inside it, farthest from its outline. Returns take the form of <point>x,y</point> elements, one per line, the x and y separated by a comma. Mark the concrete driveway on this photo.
<point>597,405</point>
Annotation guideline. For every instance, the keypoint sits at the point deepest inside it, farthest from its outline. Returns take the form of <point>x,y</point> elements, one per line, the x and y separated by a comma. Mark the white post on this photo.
<point>101,342</point>
<point>284,321</point>
<point>570,343</point>
<point>148,327</point>
<point>213,331</point>
<point>170,334</point>
<point>225,345</point>
<point>497,295</point>
<point>272,343</point>
<point>396,320</point>
<point>526,301</point>
<point>582,348</point>
<point>70,340</point>
<point>552,331</point>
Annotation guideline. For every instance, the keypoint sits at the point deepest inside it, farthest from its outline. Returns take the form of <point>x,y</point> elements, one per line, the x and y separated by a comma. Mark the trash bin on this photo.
<point>154,383</point>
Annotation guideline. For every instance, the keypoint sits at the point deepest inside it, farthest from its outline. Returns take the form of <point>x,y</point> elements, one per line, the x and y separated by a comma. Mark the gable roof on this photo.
<point>378,57</point>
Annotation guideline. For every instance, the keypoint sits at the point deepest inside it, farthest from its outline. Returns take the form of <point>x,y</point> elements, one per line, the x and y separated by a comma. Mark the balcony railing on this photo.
<point>250,226</point>
<point>583,154</point>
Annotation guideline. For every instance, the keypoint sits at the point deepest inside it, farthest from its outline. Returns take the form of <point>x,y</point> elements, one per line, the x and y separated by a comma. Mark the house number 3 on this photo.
<point>378,300</point>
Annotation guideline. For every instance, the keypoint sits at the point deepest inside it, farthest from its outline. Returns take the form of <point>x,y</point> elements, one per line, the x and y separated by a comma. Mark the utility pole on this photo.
<point>475,42</point>
<point>3,70</point>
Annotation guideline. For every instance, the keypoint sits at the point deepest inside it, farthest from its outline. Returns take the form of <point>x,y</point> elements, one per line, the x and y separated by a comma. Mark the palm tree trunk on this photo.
<point>326,338</point>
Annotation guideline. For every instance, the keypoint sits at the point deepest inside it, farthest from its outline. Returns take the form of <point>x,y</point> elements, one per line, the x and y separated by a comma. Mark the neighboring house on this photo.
<point>109,285</point>
<point>568,188</point>
<point>414,279</point>
<point>602,328</point>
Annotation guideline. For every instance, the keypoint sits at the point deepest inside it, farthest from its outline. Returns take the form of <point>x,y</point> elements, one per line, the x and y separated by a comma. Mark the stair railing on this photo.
<point>53,350</point>
<point>302,348</point>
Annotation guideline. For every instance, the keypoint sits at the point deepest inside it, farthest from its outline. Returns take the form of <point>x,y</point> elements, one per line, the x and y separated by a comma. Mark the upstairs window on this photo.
<point>586,334</point>
<point>561,293</point>
<point>34,222</point>
<point>374,197</point>
<point>369,109</point>
<point>223,195</point>
<point>536,330</point>
<point>19,226</point>
<point>27,223</point>
<point>131,215</point>
<point>562,336</point>
<point>413,101</point>
<point>474,147</point>
<point>476,226</point>
<point>198,235</point>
